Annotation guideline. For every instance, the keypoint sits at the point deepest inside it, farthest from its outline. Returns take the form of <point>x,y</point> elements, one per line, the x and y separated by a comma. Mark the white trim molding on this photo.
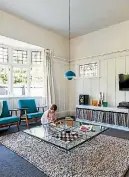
<point>60,59</point>
<point>115,54</point>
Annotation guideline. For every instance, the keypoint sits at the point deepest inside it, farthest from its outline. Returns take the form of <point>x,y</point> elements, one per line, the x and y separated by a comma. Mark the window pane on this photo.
<point>3,55</point>
<point>3,81</point>
<point>36,82</point>
<point>36,57</point>
<point>20,81</point>
<point>19,56</point>
<point>88,70</point>
<point>81,70</point>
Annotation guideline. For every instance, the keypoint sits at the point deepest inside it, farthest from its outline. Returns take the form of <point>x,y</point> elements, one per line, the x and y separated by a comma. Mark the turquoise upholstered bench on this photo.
<point>28,111</point>
<point>6,118</point>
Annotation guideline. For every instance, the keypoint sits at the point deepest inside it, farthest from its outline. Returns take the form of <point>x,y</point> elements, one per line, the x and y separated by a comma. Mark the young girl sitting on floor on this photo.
<point>49,115</point>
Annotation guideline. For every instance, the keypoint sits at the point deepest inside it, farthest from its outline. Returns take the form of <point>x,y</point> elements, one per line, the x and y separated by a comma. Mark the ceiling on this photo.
<point>86,15</point>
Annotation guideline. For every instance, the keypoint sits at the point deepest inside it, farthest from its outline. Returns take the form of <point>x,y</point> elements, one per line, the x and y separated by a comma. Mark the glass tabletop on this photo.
<point>64,134</point>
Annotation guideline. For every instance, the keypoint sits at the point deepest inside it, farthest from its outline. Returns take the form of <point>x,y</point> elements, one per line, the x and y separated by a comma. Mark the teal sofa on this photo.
<point>29,111</point>
<point>6,118</point>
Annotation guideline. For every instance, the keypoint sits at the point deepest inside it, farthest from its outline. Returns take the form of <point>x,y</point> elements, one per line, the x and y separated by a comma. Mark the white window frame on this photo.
<point>5,46</point>
<point>86,63</point>
<point>10,65</point>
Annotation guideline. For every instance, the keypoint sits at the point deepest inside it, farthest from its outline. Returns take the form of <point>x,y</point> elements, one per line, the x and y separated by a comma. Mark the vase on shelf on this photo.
<point>100,103</point>
<point>101,99</point>
<point>94,102</point>
<point>105,104</point>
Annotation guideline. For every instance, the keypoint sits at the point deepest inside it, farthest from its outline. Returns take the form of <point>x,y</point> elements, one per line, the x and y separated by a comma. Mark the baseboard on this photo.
<point>62,114</point>
<point>72,112</point>
<point>66,113</point>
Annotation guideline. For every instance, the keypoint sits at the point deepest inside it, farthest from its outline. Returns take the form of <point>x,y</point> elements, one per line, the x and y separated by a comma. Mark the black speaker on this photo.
<point>83,99</point>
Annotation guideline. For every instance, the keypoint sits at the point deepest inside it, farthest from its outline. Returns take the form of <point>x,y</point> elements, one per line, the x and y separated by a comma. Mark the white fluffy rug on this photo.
<point>103,156</point>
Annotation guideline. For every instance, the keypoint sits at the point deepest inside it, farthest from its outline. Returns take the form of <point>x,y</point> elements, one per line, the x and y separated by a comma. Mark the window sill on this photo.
<point>22,96</point>
<point>94,77</point>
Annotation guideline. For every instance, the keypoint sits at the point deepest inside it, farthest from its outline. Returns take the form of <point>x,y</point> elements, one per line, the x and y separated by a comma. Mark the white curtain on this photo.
<point>1,106</point>
<point>49,85</point>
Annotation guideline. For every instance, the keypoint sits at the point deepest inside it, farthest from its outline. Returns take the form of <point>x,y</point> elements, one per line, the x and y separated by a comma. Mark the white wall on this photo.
<point>61,86</point>
<point>107,40</point>
<point>104,46</point>
<point>16,28</point>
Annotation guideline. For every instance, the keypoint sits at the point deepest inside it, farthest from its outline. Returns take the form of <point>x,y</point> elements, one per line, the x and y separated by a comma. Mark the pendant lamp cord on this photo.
<point>69,34</point>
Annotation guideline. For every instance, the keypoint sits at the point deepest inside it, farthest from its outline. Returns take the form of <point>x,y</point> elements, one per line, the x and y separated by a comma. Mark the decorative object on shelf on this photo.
<point>105,104</point>
<point>99,103</point>
<point>83,99</point>
<point>94,102</point>
<point>124,104</point>
<point>101,99</point>
<point>69,74</point>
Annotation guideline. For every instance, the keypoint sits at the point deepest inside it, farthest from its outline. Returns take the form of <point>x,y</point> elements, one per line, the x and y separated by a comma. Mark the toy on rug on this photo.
<point>86,127</point>
<point>67,135</point>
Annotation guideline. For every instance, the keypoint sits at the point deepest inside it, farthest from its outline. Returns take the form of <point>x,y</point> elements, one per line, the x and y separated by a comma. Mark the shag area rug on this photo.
<point>103,156</point>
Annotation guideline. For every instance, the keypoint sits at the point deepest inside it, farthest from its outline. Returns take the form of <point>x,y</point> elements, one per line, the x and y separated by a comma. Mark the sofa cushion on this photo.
<point>5,110</point>
<point>35,115</point>
<point>7,120</point>
<point>28,103</point>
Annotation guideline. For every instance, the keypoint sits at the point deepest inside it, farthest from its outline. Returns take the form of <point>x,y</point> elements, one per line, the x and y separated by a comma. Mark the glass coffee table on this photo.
<point>65,136</point>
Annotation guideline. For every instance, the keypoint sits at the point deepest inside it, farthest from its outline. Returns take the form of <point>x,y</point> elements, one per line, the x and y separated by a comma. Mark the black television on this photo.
<point>124,82</point>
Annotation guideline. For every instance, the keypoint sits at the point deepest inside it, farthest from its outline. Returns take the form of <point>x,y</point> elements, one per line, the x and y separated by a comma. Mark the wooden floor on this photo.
<point>21,167</point>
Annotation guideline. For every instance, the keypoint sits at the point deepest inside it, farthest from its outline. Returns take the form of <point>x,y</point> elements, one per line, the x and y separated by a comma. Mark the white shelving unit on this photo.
<point>107,110</point>
<point>103,124</point>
